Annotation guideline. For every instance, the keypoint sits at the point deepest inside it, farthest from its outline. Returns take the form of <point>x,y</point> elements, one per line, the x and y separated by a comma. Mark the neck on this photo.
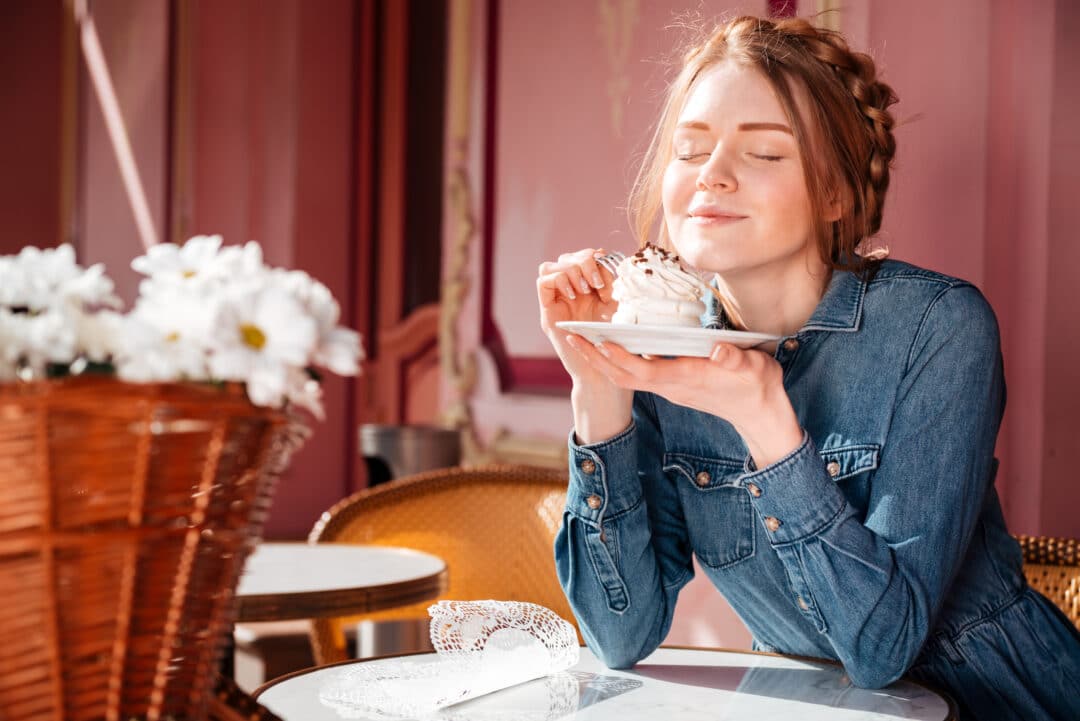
<point>777,301</point>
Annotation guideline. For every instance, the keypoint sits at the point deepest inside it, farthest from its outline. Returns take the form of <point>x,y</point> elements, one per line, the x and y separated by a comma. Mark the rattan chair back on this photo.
<point>1052,567</point>
<point>493,525</point>
<point>126,513</point>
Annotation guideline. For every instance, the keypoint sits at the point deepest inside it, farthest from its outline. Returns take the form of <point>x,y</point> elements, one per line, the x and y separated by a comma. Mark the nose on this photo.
<point>716,172</point>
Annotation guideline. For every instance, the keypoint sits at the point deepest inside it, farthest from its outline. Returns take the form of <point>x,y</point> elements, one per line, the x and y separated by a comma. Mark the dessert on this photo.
<point>653,288</point>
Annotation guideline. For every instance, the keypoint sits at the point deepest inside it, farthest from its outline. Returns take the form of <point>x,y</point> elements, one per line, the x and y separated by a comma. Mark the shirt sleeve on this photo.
<point>875,586</point>
<point>622,553</point>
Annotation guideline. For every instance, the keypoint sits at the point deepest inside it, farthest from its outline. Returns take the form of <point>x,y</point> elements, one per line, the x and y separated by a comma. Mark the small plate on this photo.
<point>664,340</point>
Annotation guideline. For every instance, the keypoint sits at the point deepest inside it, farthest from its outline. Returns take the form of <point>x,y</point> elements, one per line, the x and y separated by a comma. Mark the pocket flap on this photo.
<point>705,473</point>
<point>848,461</point>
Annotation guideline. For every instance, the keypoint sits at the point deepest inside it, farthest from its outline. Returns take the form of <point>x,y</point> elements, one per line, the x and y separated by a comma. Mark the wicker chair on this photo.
<point>1052,567</point>
<point>493,525</point>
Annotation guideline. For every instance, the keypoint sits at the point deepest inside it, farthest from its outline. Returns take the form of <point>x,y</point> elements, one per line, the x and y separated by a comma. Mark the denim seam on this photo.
<point>734,464</point>
<point>711,487</point>
<point>612,583</point>
<point>871,447</point>
<point>821,529</point>
<point>953,636</point>
<point>773,468</point>
<point>814,610</point>
<point>922,325</point>
<point>678,581</point>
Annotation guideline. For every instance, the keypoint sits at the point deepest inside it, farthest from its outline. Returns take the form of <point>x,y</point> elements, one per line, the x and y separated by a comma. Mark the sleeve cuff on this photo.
<point>794,497</point>
<point>604,479</point>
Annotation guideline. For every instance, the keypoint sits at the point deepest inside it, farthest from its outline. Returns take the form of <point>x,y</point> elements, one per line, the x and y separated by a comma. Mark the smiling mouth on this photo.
<point>715,219</point>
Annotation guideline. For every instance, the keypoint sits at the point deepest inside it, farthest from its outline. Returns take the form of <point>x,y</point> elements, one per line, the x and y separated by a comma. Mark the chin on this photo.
<point>701,254</point>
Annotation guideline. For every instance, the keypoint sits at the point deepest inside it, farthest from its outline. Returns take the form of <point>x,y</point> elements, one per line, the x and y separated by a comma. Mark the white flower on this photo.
<point>36,280</point>
<point>148,353</point>
<point>197,256</point>
<point>32,341</point>
<point>304,391</point>
<point>205,312</point>
<point>100,335</point>
<point>257,335</point>
<point>337,347</point>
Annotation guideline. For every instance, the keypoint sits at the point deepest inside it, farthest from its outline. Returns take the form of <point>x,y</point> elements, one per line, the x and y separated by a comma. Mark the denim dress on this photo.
<point>879,542</point>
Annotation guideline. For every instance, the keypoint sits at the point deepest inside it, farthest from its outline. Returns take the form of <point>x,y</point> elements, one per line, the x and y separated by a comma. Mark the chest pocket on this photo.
<point>847,461</point>
<point>719,518</point>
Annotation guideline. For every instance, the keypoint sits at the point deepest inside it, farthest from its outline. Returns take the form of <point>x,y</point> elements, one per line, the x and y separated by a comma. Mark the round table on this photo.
<point>673,684</point>
<point>284,581</point>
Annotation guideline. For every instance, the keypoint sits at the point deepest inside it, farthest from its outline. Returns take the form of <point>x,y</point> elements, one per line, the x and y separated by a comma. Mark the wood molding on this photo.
<point>459,363</point>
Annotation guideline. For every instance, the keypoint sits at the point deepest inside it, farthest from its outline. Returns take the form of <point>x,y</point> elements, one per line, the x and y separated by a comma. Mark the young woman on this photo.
<point>839,490</point>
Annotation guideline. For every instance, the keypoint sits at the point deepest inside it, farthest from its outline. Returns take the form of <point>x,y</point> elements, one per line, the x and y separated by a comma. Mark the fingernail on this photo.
<point>571,294</point>
<point>598,280</point>
<point>716,352</point>
<point>585,286</point>
<point>603,350</point>
<point>572,342</point>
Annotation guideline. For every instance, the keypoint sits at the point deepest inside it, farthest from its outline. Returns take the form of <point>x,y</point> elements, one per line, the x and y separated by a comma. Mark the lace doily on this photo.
<point>481,647</point>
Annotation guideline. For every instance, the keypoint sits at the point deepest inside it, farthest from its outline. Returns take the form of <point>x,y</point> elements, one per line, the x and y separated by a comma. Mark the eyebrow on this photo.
<point>696,125</point>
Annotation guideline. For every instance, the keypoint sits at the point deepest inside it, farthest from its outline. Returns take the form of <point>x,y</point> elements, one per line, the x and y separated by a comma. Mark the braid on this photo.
<point>857,73</point>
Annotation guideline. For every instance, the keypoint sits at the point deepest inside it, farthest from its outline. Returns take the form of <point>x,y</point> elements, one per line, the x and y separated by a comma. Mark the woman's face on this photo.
<point>734,194</point>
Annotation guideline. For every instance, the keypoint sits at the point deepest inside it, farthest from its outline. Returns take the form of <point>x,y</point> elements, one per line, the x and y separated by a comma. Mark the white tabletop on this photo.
<point>670,685</point>
<point>283,580</point>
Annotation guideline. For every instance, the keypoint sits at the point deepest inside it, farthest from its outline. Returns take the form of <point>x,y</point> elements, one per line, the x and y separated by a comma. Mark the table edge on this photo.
<point>339,601</point>
<point>953,711</point>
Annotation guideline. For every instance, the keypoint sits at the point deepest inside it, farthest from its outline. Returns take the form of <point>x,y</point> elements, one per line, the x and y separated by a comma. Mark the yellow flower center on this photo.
<point>172,337</point>
<point>189,274</point>
<point>252,336</point>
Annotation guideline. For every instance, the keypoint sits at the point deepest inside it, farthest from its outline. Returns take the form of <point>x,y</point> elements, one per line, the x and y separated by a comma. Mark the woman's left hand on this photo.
<point>743,386</point>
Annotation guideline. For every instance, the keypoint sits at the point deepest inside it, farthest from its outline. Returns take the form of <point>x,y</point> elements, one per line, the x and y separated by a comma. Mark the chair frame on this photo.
<point>327,638</point>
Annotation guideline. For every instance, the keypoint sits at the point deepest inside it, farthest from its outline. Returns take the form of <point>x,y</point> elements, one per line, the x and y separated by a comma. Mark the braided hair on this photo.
<point>848,126</point>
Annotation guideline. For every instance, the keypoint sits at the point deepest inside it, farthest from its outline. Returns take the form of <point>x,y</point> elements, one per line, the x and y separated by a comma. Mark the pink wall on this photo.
<point>983,189</point>
<point>134,38</point>
<point>271,160</point>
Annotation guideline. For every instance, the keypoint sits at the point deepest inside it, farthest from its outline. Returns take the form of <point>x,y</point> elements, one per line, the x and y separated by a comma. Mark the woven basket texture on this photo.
<point>1052,567</point>
<point>494,526</point>
<point>126,514</point>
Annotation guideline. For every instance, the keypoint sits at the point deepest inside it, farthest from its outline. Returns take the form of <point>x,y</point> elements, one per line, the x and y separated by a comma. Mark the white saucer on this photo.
<point>663,340</point>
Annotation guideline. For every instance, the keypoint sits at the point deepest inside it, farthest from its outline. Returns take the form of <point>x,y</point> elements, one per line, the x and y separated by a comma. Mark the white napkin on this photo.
<point>481,646</point>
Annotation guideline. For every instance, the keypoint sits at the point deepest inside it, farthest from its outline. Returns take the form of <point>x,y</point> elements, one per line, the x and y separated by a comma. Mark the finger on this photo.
<point>578,279</point>
<point>598,357</point>
<point>595,272</point>
<point>727,356</point>
<point>550,286</point>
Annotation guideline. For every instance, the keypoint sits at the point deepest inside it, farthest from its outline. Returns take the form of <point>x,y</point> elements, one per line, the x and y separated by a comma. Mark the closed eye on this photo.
<point>691,156</point>
<point>770,158</point>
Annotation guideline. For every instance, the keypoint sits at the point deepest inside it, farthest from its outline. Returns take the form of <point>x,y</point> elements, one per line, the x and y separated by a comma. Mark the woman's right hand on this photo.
<point>575,287</point>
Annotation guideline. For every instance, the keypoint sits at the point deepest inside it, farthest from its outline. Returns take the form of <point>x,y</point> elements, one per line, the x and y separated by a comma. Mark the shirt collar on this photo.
<point>840,308</point>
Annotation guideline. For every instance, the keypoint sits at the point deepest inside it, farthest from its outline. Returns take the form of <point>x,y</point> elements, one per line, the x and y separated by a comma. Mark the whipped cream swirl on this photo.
<point>652,288</point>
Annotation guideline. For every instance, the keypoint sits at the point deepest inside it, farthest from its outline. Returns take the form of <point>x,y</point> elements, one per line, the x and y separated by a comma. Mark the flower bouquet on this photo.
<point>138,455</point>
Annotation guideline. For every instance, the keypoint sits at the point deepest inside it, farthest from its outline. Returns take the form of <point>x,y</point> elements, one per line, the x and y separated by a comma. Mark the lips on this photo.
<point>711,213</point>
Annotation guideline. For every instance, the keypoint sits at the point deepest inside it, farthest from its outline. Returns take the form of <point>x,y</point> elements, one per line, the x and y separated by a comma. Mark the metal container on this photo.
<point>397,451</point>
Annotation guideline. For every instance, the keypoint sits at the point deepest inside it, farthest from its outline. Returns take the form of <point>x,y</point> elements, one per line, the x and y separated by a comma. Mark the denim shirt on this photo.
<point>878,539</point>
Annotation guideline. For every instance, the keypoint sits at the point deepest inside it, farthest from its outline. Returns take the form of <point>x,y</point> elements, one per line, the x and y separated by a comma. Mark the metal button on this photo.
<point>833,468</point>
<point>772,523</point>
<point>754,490</point>
<point>791,344</point>
<point>702,478</point>
<point>588,465</point>
<point>594,501</point>
<point>803,604</point>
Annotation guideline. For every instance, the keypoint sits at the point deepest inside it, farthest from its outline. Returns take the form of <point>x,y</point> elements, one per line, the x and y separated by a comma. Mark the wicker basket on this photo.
<point>126,514</point>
